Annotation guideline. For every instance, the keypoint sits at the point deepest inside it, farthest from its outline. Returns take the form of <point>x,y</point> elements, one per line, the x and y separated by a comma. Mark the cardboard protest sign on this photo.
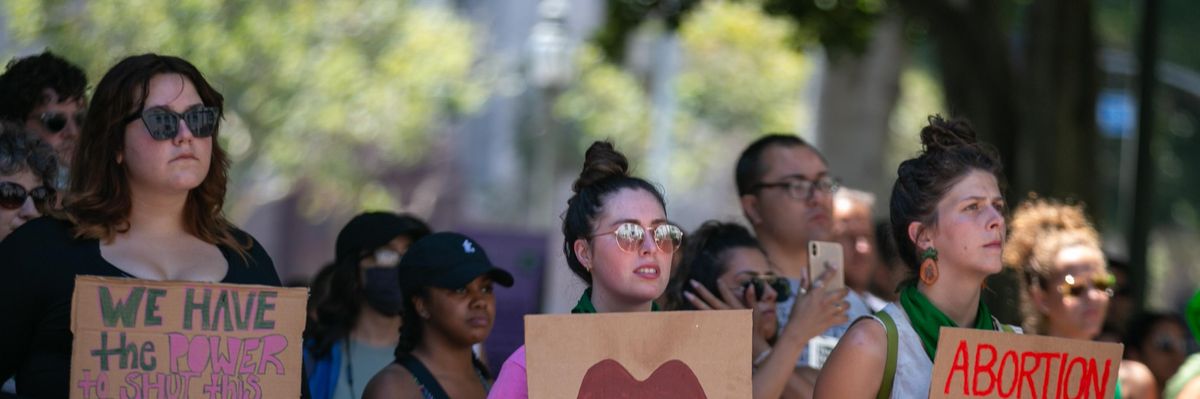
<point>990,364</point>
<point>151,339</point>
<point>639,355</point>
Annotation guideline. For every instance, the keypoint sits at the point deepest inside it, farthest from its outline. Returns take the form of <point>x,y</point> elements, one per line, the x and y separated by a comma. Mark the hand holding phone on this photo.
<point>822,256</point>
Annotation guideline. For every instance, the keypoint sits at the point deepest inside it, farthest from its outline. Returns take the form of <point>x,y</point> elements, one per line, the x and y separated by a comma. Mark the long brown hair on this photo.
<point>99,201</point>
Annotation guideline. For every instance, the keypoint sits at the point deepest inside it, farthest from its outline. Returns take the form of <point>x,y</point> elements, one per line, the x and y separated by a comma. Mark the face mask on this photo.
<point>382,289</point>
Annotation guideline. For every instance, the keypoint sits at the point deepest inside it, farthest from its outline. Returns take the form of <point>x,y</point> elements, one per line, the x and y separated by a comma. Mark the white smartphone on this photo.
<point>822,255</point>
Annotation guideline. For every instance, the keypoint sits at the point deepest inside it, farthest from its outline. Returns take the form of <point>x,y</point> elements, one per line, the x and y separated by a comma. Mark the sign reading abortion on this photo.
<point>151,339</point>
<point>989,364</point>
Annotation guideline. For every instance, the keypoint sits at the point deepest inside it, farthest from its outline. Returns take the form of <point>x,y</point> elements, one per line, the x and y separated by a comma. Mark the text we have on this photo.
<point>222,310</point>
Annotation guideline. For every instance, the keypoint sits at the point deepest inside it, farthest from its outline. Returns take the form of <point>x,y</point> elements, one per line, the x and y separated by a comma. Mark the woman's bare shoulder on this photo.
<point>857,359</point>
<point>394,381</point>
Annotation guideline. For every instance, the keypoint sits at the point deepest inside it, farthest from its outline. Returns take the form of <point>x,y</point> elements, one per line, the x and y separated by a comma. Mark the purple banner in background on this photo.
<point>524,255</point>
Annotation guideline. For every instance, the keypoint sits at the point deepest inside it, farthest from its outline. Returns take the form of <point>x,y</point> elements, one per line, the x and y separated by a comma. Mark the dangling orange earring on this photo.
<point>929,268</point>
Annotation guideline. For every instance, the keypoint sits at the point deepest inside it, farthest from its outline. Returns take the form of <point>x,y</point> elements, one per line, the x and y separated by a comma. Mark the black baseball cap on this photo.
<point>370,230</point>
<point>447,260</point>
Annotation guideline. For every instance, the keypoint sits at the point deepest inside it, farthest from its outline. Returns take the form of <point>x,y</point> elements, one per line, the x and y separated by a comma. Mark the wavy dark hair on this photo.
<point>950,153</point>
<point>703,258</point>
<point>25,79</point>
<point>605,171</point>
<point>99,196</point>
<point>22,151</point>
<point>411,331</point>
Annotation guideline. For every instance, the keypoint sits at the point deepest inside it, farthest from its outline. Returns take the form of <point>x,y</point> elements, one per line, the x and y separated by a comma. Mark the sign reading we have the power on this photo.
<point>149,339</point>
<point>989,364</point>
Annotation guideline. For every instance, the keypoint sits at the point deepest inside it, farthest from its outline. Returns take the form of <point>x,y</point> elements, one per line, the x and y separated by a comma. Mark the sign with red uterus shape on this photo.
<point>639,355</point>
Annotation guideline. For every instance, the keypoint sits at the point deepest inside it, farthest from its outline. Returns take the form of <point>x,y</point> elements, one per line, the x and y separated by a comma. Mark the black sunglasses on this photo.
<point>12,196</point>
<point>163,124</point>
<point>57,121</point>
<point>783,290</point>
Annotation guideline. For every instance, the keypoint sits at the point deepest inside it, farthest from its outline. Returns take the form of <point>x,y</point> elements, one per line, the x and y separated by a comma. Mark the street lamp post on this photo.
<point>550,71</point>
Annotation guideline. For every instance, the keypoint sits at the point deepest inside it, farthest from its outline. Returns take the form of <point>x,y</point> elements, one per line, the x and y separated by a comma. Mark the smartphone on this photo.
<point>822,255</point>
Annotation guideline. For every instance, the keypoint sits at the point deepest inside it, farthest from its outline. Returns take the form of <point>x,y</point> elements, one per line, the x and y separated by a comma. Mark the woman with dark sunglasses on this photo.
<point>724,258</point>
<point>617,239</point>
<point>146,195</point>
<point>1065,284</point>
<point>28,168</point>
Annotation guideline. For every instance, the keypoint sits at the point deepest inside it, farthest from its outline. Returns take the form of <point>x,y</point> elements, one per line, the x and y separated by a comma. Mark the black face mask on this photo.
<point>382,290</point>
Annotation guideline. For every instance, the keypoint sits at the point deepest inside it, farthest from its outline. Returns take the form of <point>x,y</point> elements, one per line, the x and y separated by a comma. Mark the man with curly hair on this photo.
<point>45,93</point>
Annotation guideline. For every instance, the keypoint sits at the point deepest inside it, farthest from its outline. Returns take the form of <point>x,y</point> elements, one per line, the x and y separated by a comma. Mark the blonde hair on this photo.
<point>1040,229</point>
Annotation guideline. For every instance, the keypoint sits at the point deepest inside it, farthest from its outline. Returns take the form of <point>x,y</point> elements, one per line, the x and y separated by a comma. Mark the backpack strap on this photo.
<point>428,383</point>
<point>889,368</point>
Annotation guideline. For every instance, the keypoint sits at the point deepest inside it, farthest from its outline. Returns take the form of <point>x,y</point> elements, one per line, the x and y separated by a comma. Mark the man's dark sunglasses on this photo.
<point>57,121</point>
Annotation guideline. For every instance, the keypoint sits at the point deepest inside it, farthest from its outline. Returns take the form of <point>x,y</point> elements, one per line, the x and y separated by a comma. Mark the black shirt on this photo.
<point>38,265</point>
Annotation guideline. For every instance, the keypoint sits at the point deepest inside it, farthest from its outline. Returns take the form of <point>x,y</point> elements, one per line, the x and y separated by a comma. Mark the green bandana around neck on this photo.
<point>585,304</point>
<point>928,320</point>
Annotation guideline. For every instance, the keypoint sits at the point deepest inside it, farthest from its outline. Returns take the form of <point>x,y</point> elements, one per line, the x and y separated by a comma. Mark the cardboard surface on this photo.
<point>990,364</point>
<point>635,355</point>
<point>150,339</point>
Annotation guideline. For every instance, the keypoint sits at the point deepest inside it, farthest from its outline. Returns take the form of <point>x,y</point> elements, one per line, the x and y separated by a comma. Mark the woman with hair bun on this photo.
<point>617,239</point>
<point>948,219</point>
<point>1065,283</point>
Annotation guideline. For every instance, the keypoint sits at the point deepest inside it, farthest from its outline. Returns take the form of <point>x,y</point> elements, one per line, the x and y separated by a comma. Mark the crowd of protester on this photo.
<point>131,183</point>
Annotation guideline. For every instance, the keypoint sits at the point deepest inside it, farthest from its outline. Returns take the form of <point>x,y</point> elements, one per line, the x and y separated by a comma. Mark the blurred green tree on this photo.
<point>740,77</point>
<point>329,92</point>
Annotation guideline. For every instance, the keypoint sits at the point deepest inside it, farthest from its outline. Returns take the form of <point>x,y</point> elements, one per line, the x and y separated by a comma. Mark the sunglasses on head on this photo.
<point>1072,287</point>
<point>57,121</point>
<point>630,235</point>
<point>12,196</point>
<point>783,290</point>
<point>163,124</point>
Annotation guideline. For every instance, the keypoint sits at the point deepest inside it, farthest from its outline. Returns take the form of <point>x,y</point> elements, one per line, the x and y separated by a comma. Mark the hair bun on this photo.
<point>942,134</point>
<point>600,162</point>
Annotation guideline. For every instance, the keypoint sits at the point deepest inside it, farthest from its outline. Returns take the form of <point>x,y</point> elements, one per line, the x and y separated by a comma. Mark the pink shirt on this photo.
<point>511,382</point>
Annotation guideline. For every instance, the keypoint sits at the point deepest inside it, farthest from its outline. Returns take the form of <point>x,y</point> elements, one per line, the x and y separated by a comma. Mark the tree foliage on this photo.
<point>329,91</point>
<point>739,77</point>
